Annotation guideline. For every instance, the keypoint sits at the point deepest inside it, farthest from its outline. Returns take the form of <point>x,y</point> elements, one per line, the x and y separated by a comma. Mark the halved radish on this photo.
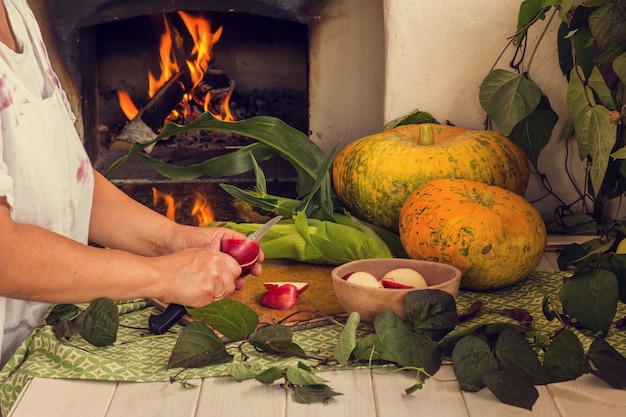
<point>403,278</point>
<point>301,286</point>
<point>363,278</point>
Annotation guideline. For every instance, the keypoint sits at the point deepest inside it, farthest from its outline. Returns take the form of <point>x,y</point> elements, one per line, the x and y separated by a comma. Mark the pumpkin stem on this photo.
<point>426,135</point>
<point>482,197</point>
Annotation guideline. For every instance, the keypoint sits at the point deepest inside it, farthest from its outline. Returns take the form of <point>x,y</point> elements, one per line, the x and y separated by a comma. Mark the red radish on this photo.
<point>403,278</point>
<point>301,286</point>
<point>245,252</point>
<point>283,297</point>
<point>364,278</point>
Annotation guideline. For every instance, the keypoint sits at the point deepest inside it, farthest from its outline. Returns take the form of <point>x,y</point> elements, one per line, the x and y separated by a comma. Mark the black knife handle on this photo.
<point>161,323</point>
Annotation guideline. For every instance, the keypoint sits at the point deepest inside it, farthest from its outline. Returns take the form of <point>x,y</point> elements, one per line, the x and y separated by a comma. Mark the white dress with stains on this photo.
<point>45,173</point>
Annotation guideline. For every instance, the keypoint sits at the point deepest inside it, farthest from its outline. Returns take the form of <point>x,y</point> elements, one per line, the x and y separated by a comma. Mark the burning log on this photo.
<point>146,124</point>
<point>210,94</point>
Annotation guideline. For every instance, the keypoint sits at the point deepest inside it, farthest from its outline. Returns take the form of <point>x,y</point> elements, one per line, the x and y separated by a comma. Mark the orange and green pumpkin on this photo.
<point>494,236</point>
<point>374,175</point>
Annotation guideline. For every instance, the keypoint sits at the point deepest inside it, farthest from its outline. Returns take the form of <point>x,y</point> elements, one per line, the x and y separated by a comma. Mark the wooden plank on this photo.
<point>64,398</point>
<point>358,398</point>
<point>154,399</point>
<point>484,404</point>
<point>225,397</point>
<point>438,397</point>
<point>588,396</point>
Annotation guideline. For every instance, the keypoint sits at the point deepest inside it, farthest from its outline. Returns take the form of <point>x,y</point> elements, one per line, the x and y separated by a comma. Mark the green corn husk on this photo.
<point>315,241</point>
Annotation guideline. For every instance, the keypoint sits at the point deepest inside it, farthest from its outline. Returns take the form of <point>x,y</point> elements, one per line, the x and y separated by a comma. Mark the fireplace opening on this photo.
<point>258,66</point>
<point>326,56</point>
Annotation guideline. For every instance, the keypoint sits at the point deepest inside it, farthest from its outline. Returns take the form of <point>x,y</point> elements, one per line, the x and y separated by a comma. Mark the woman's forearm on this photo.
<point>118,221</point>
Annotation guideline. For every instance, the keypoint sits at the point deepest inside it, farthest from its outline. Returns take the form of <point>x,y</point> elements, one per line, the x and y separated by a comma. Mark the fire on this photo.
<point>167,59</point>
<point>200,209</point>
<point>199,29</point>
<point>127,105</point>
<point>170,203</point>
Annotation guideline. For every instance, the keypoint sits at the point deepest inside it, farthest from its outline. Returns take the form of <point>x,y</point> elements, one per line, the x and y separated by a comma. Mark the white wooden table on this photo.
<point>367,393</point>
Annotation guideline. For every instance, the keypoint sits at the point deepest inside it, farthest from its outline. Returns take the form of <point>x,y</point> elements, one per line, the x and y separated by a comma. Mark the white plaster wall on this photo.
<point>346,79</point>
<point>438,53</point>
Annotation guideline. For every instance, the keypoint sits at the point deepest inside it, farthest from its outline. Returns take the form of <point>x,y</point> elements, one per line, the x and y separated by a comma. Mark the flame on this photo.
<point>170,203</point>
<point>199,29</point>
<point>202,211</point>
<point>203,40</point>
<point>126,104</point>
<point>167,59</point>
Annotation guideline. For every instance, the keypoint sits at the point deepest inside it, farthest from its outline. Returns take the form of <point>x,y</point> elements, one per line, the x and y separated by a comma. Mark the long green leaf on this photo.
<point>293,145</point>
<point>233,163</point>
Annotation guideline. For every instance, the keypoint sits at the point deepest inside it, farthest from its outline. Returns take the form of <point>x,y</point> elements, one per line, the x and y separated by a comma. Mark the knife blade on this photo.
<point>161,323</point>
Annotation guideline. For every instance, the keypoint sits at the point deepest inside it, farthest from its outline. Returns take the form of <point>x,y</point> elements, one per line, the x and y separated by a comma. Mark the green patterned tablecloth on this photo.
<point>137,357</point>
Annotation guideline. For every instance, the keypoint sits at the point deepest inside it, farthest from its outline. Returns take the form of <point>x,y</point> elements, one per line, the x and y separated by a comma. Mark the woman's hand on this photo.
<point>186,237</point>
<point>196,277</point>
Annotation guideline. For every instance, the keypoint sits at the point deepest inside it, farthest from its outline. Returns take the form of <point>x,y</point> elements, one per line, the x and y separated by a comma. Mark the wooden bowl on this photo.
<point>370,301</point>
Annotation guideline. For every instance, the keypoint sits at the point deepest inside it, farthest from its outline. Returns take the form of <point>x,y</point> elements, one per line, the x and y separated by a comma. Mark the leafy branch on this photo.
<point>592,55</point>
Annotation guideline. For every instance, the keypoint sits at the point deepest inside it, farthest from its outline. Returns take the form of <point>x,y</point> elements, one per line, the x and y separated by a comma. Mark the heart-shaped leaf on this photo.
<point>511,389</point>
<point>197,346</point>
<point>516,356</point>
<point>508,98</point>
<point>595,134</point>
<point>590,295</point>
<point>565,357</point>
<point>99,322</point>
<point>232,318</point>
<point>607,363</point>
<point>472,357</point>
<point>276,338</point>
<point>431,312</point>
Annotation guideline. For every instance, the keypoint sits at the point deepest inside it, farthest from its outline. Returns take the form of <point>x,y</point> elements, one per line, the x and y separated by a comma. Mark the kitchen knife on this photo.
<point>160,323</point>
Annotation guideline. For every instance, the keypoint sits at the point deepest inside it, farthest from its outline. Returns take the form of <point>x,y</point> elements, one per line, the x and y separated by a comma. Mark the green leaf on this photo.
<point>533,133</point>
<point>232,318</point>
<point>230,164</point>
<point>529,12</point>
<point>515,355</point>
<point>575,224</point>
<point>472,357</point>
<point>590,295</point>
<point>279,137</point>
<point>411,349</point>
<point>99,322</point>
<point>607,363</point>
<point>601,91</point>
<point>270,375</point>
<point>299,376</point>
<point>582,40</point>
<point>240,371</point>
<point>416,117</point>
<point>565,357</point>
<point>511,389</point>
<point>619,67</point>
<point>431,312</point>
<point>347,339</point>
<point>595,134</point>
<point>508,98</point>
<point>308,394</point>
<point>278,339</point>
<point>62,312</point>
<point>607,26</point>
<point>197,346</point>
